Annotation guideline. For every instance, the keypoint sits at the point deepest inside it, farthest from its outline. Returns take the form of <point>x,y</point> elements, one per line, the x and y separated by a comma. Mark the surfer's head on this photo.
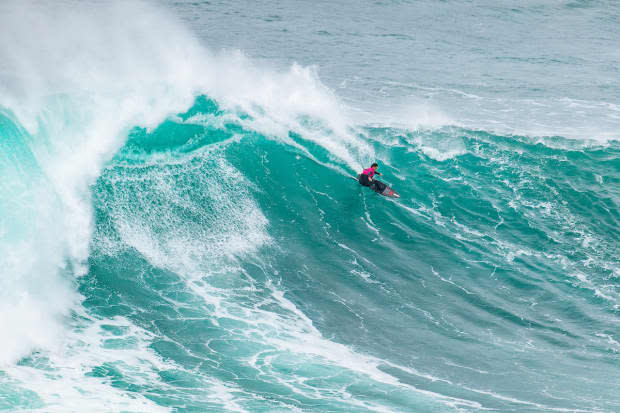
<point>374,166</point>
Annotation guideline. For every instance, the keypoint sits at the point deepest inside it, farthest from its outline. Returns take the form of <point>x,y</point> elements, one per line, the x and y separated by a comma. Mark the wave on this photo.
<point>76,85</point>
<point>181,233</point>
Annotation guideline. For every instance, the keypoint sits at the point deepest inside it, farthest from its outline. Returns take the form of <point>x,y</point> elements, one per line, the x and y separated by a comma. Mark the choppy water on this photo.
<point>179,229</point>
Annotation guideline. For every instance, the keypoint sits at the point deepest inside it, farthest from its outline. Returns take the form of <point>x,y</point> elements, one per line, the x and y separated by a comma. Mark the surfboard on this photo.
<point>387,191</point>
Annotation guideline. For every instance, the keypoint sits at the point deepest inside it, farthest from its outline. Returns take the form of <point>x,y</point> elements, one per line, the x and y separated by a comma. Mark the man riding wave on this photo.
<point>366,178</point>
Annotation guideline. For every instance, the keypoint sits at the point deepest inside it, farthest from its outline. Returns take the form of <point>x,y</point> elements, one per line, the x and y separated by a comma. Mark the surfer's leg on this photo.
<point>364,180</point>
<point>379,186</point>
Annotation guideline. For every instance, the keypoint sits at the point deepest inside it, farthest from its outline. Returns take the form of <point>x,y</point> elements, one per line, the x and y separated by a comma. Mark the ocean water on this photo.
<point>179,230</point>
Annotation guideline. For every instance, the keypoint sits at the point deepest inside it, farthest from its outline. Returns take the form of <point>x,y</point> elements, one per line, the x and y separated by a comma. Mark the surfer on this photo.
<point>366,178</point>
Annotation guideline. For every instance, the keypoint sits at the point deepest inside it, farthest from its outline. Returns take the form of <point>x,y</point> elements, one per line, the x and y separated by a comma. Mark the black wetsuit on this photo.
<point>364,180</point>
<point>378,186</point>
<point>375,185</point>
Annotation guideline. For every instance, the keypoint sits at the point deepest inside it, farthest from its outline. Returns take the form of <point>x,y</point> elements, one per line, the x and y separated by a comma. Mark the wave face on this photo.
<point>182,233</point>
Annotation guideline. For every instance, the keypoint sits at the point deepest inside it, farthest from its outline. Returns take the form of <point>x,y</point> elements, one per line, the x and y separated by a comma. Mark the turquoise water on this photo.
<point>180,230</point>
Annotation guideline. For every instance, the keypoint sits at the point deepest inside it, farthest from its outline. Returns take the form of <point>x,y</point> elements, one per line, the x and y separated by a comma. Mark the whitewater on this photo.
<point>179,230</point>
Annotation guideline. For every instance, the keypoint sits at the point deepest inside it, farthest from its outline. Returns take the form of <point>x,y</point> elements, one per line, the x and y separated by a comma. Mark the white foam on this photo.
<point>290,101</point>
<point>410,115</point>
<point>79,76</point>
<point>275,326</point>
<point>232,225</point>
<point>35,294</point>
<point>61,385</point>
<point>439,147</point>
